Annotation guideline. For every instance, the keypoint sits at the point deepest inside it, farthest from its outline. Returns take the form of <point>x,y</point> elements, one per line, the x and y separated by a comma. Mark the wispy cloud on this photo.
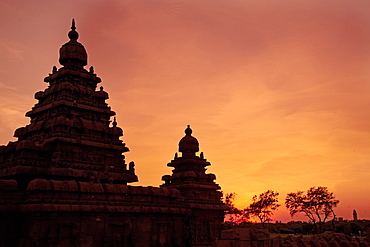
<point>12,52</point>
<point>7,87</point>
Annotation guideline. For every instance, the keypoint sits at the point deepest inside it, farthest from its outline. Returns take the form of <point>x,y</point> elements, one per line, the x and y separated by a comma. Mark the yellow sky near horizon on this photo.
<point>276,92</point>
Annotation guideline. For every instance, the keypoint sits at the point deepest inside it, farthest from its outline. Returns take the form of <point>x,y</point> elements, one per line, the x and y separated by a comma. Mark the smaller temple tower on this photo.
<point>199,190</point>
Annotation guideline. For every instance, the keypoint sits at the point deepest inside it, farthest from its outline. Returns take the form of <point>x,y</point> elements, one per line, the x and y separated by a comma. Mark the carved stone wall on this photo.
<point>70,213</point>
<point>93,229</point>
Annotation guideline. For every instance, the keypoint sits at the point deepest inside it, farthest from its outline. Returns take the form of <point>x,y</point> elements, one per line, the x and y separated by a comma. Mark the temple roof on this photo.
<point>188,143</point>
<point>73,53</point>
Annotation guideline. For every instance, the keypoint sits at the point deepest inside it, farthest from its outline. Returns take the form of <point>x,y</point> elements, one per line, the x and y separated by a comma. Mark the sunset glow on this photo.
<point>276,92</point>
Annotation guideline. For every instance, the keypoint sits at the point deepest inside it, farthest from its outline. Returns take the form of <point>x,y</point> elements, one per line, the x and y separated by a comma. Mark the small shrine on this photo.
<point>201,193</point>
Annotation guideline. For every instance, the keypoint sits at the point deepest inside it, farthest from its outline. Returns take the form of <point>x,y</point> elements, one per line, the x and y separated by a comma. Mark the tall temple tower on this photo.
<point>70,135</point>
<point>201,193</point>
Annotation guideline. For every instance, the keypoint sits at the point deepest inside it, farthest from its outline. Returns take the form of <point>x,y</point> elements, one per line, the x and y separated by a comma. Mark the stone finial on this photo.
<point>73,34</point>
<point>114,122</point>
<point>73,54</point>
<point>73,24</point>
<point>131,167</point>
<point>188,144</point>
<point>188,130</point>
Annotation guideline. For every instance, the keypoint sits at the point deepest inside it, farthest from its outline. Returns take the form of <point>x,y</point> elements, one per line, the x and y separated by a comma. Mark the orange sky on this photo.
<point>277,92</point>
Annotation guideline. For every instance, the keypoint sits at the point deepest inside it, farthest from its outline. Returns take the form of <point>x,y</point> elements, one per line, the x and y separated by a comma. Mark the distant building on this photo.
<point>64,181</point>
<point>354,215</point>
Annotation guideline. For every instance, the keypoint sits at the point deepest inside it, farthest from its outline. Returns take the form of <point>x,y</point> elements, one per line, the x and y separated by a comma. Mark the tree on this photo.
<point>318,205</point>
<point>263,206</point>
<point>232,214</point>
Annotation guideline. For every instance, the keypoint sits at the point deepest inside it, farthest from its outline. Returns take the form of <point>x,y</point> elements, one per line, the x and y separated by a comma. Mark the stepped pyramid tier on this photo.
<point>71,135</point>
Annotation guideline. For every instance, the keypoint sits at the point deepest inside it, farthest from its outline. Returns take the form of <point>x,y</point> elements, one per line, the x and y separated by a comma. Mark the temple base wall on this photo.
<point>81,229</point>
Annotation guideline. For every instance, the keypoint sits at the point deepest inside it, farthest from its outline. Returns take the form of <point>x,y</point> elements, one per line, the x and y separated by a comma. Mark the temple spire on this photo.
<point>73,53</point>
<point>73,34</point>
<point>188,130</point>
<point>188,145</point>
<point>73,24</point>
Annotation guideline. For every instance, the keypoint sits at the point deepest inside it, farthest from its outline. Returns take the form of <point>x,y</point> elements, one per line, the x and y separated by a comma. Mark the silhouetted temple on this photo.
<point>64,181</point>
